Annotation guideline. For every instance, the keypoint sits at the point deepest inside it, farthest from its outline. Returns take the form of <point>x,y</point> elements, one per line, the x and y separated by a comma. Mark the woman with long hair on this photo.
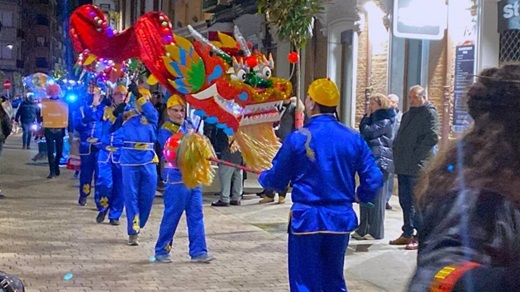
<point>469,197</point>
<point>376,128</point>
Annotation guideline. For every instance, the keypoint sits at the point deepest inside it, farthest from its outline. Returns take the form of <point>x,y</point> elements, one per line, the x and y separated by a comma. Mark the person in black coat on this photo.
<point>27,116</point>
<point>376,129</point>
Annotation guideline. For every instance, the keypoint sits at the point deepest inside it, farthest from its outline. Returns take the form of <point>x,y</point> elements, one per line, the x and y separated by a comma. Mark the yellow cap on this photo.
<point>325,92</point>
<point>121,89</point>
<point>145,92</point>
<point>174,100</point>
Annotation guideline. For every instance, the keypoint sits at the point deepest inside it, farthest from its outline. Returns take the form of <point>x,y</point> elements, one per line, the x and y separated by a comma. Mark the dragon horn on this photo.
<point>241,41</point>
<point>196,35</point>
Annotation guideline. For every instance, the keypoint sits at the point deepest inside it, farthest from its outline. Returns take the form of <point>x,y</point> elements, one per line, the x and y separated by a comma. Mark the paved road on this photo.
<point>55,245</point>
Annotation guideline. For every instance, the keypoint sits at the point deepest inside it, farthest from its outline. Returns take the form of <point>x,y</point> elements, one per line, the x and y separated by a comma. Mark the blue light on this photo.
<point>71,98</point>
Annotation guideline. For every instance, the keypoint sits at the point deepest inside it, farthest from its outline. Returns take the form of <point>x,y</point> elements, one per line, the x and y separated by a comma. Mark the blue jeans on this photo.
<point>411,218</point>
<point>27,134</point>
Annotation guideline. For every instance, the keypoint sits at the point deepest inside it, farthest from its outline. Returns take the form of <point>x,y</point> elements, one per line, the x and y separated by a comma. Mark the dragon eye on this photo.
<point>266,72</point>
<point>241,75</point>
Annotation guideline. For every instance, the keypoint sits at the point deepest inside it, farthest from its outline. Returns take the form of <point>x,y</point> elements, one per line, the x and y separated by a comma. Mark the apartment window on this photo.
<point>40,41</point>
<point>42,19</point>
<point>6,52</point>
<point>41,63</point>
<point>6,17</point>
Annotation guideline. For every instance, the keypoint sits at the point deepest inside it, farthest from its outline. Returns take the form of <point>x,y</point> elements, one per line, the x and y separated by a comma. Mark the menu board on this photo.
<point>464,73</point>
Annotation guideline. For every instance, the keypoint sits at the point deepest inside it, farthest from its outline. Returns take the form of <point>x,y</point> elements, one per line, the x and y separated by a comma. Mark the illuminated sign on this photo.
<point>420,19</point>
<point>508,15</point>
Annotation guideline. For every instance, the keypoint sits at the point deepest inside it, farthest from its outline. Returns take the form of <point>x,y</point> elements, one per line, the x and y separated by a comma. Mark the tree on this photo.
<point>294,21</point>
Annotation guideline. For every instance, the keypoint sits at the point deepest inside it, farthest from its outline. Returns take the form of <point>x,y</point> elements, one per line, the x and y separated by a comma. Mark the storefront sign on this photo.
<point>508,15</point>
<point>420,19</point>
<point>464,71</point>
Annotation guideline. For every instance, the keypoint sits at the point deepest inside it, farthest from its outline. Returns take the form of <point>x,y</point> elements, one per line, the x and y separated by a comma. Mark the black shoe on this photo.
<point>114,222</point>
<point>101,216</point>
<point>28,148</point>
<point>52,175</point>
<point>82,201</point>
<point>235,203</point>
<point>260,194</point>
<point>2,197</point>
<point>219,203</point>
<point>57,171</point>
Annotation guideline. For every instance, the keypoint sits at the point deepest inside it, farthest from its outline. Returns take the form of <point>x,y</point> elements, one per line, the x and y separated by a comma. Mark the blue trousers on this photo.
<point>139,183</point>
<point>88,169</point>
<point>316,262</point>
<point>27,134</point>
<point>109,188</point>
<point>411,219</point>
<point>177,199</point>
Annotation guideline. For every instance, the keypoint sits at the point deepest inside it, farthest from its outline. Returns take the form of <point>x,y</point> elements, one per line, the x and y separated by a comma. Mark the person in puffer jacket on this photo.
<point>376,128</point>
<point>26,116</point>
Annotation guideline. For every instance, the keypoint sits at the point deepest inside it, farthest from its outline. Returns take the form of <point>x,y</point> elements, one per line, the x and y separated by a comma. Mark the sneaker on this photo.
<point>219,203</point>
<point>83,202</point>
<point>266,200</point>
<point>101,216</point>
<point>205,258</point>
<point>133,240</point>
<point>114,222</point>
<point>235,203</point>
<point>281,200</point>
<point>414,245</point>
<point>52,175</point>
<point>163,258</point>
<point>357,236</point>
<point>402,240</point>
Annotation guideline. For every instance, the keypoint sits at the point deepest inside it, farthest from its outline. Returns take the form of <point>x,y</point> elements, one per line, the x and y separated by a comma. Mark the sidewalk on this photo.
<point>46,238</point>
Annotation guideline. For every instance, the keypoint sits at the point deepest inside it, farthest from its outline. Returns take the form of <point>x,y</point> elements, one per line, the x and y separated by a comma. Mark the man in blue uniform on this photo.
<point>138,160</point>
<point>321,160</point>
<point>109,185</point>
<point>87,122</point>
<point>177,197</point>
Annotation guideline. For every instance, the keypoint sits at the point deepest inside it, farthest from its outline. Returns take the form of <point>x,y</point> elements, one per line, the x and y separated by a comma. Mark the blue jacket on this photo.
<point>171,174</point>
<point>27,112</point>
<point>324,189</point>
<point>111,142</point>
<point>139,134</point>
<point>87,121</point>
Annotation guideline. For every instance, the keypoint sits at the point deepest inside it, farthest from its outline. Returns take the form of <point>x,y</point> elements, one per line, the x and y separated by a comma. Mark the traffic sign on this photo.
<point>7,84</point>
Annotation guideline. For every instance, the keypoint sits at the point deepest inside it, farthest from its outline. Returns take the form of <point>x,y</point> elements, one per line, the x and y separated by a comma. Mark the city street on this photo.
<point>53,244</point>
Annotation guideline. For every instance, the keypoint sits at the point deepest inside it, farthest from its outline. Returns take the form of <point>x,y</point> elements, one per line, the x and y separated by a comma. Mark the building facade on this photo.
<point>11,41</point>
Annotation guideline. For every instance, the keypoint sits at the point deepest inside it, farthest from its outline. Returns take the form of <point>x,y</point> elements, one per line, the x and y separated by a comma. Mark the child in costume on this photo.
<point>177,197</point>
<point>109,185</point>
<point>138,160</point>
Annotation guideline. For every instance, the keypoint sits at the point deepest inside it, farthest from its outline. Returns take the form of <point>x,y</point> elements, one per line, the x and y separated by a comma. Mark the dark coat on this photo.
<point>377,132</point>
<point>286,124</point>
<point>27,112</point>
<point>416,137</point>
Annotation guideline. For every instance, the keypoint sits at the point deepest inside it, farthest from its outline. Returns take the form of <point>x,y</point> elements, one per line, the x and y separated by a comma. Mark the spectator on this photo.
<point>417,135</point>
<point>394,100</point>
<point>376,129</point>
<point>27,115</point>
<point>469,196</point>
<point>5,127</point>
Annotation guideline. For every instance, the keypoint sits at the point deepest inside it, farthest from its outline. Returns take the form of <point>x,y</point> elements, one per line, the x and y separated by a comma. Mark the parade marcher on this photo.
<point>320,161</point>
<point>26,115</point>
<point>109,186</point>
<point>87,121</point>
<point>177,197</point>
<point>138,159</point>
<point>469,196</point>
<point>376,128</point>
<point>55,119</point>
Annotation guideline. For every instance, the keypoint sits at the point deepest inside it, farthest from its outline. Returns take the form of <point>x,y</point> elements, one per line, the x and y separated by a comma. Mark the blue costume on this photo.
<point>177,199</point>
<point>87,121</point>
<point>109,185</point>
<point>138,160</point>
<point>322,173</point>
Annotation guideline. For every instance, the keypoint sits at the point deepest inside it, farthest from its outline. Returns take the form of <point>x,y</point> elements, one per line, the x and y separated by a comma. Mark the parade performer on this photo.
<point>109,185</point>
<point>138,159</point>
<point>55,119</point>
<point>321,160</point>
<point>177,197</point>
<point>87,121</point>
<point>468,196</point>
